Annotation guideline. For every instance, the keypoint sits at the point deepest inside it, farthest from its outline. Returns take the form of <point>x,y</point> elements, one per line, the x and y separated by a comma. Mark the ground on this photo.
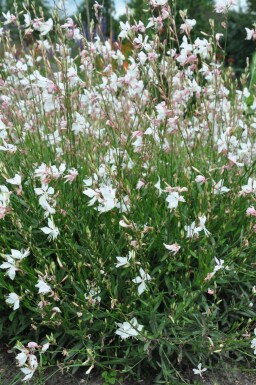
<point>9,376</point>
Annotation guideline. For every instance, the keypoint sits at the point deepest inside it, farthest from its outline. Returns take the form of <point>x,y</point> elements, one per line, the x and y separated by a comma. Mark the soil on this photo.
<point>11,375</point>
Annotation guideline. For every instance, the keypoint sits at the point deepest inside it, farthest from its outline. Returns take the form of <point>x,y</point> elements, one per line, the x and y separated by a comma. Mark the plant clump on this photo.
<point>127,196</point>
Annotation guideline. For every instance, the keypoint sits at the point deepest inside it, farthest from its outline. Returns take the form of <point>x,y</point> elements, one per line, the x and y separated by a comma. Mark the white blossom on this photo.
<point>43,26</point>
<point>13,300</point>
<point>219,188</point>
<point>202,227</point>
<point>199,370</point>
<point>253,343</point>
<point>219,264</point>
<point>43,287</point>
<point>124,261</point>
<point>173,200</point>
<point>128,329</point>
<point>52,231</point>
<point>144,277</point>
<point>15,181</point>
<point>173,248</point>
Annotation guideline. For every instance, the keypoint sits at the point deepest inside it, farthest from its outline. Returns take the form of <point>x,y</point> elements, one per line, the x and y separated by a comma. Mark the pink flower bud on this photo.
<point>251,211</point>
<point>32,345</point>
<point>200,179</point>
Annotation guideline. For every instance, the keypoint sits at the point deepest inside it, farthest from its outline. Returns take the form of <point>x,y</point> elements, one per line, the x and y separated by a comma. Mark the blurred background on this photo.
<point>241,16</point>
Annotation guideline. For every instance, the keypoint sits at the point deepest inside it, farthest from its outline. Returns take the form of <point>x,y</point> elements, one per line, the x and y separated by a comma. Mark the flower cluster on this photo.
<point>27,360</point>
<point>127,183</point>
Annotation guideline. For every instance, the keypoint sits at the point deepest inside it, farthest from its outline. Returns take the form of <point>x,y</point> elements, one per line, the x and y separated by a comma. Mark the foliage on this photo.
<point>251,4</point>
<point>237,48</point>
<point>127,200</point>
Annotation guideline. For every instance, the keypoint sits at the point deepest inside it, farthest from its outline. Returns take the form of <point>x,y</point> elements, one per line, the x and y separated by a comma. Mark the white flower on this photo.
<point>76,34</point>
<point>8,147</point>
<point>10,265</point>
<point>19,254</point>
<point>27,19</point>
<point>253,343</point>
<point>173,199</point>
<point>158,187</point>
<point>219,188</point>
<point>4,195</point>
<point>119,57</point>
<point>141,281</point>
<point>13,299</point>
<point>187,26</point>
<point>88,182</point>
<point>251,34</point>
<point>174,248</point>
<point>71,176</point>
<point>192,230</point>
<point>250,187</point>
<point>162,111</point>
<point>45,206</point>
<point>43,287</point>
<point>201,47</point>
<point>16,180</point>
<point>109,198</point>
<point>44,192</point>
<point>142,57</point>
<point>43,27</point>
<point>94,195</point>
<point>105,195</point>
<point>199,370</point>
<point>125,29</point>
<point>124,261</point>
<point>219,265</point>
<point>128,329</point>
<point>202,227</point>
<point>9,18</point>
<point>52,230</point>
<point>140,184</point>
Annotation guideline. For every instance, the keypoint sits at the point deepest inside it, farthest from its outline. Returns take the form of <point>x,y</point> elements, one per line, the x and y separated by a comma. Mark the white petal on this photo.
<point>29,373</point>
<point>45,347</point>
<point>137,280</point>
<point>141,288</point>
<point>21,358</point>
<point>16,254</point>
<point>46,230</point>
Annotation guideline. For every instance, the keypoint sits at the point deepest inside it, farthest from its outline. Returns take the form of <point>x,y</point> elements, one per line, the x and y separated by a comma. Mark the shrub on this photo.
<point>127,199</point>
